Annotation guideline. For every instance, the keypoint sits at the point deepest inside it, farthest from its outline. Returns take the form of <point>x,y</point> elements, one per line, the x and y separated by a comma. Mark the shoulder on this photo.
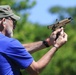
<point>6,39</point>
<point>14,42</point>
<point>10,40</point>
<point>7,42</point>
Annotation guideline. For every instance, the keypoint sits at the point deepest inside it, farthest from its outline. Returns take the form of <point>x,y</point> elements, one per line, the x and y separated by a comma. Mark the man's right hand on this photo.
<point>62,39</point>
<point>52,39</point>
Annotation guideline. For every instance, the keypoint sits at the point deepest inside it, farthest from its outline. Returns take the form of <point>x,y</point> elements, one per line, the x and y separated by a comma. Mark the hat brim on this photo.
<point>15,17</point>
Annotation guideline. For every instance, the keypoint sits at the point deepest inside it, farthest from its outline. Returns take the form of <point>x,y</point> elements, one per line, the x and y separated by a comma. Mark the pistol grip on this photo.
<point>57,36</point>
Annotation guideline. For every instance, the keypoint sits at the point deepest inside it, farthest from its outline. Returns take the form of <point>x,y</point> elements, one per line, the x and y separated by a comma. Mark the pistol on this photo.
<point>59,24</point>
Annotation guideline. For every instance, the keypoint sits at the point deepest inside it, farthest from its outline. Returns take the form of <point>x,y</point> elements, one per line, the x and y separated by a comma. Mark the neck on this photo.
<point>5,33</point>
<point>2,32</point>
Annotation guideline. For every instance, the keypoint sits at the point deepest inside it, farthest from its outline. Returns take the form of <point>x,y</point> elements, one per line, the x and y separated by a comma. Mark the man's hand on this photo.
<point>62,39</point>
<point>52,39</point>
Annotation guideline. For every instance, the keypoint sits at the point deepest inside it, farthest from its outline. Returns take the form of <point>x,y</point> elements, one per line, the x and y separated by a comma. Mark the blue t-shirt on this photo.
<point>13,56</point>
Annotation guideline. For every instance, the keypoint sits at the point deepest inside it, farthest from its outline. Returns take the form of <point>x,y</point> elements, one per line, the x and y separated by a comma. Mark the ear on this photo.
<point>2,24</point>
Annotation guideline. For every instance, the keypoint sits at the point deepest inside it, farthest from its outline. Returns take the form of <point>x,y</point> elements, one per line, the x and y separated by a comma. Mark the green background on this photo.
<point>64,61</point>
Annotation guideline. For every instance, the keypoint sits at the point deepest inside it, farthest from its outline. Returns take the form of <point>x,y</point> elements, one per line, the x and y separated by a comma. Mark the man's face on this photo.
<point>9,26</point>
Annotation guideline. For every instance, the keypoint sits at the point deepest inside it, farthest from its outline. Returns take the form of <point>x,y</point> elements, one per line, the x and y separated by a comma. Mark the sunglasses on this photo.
<point>14,21</point>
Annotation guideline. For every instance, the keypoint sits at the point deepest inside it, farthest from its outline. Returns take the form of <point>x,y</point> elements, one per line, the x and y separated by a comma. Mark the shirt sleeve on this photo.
<point>18,54</point>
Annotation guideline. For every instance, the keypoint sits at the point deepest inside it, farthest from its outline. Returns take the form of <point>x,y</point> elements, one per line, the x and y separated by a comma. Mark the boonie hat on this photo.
<point>6,11</point>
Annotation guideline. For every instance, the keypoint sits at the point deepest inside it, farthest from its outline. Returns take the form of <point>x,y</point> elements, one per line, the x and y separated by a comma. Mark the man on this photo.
<point>15,56</point>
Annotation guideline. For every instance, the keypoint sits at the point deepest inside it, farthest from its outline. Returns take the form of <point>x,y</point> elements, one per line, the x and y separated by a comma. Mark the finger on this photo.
<point>57,31</point>
<point>65,36</point>
<point>62,33</point>
<point>62,28</point>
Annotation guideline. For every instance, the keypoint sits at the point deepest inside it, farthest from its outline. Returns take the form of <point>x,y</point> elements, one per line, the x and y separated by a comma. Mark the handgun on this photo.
<point>60,24</point>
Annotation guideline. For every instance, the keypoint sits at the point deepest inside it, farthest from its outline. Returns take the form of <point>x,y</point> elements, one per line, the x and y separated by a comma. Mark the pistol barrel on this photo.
<point>59,24</point>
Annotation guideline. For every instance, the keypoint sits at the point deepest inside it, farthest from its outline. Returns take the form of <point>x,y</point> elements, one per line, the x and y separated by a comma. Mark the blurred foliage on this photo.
<point>64,61</point>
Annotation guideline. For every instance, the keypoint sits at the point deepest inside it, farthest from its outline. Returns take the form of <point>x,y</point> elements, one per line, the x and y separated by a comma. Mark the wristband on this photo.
<point>45,43</point>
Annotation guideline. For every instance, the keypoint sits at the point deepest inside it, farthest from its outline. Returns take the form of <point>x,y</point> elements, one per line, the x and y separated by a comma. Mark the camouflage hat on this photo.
<point>6,11</point>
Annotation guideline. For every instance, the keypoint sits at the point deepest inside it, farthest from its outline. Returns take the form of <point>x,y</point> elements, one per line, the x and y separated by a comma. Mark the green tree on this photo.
<point>65,59</point>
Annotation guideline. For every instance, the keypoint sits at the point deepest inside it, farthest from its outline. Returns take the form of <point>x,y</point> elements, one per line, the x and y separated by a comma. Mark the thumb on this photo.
<point>57,31</point>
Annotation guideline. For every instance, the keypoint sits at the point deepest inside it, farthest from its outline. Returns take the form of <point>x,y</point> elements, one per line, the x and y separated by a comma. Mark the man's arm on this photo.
<point>36,46</point>
<point>36,67</point>
<point>33,47</point>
